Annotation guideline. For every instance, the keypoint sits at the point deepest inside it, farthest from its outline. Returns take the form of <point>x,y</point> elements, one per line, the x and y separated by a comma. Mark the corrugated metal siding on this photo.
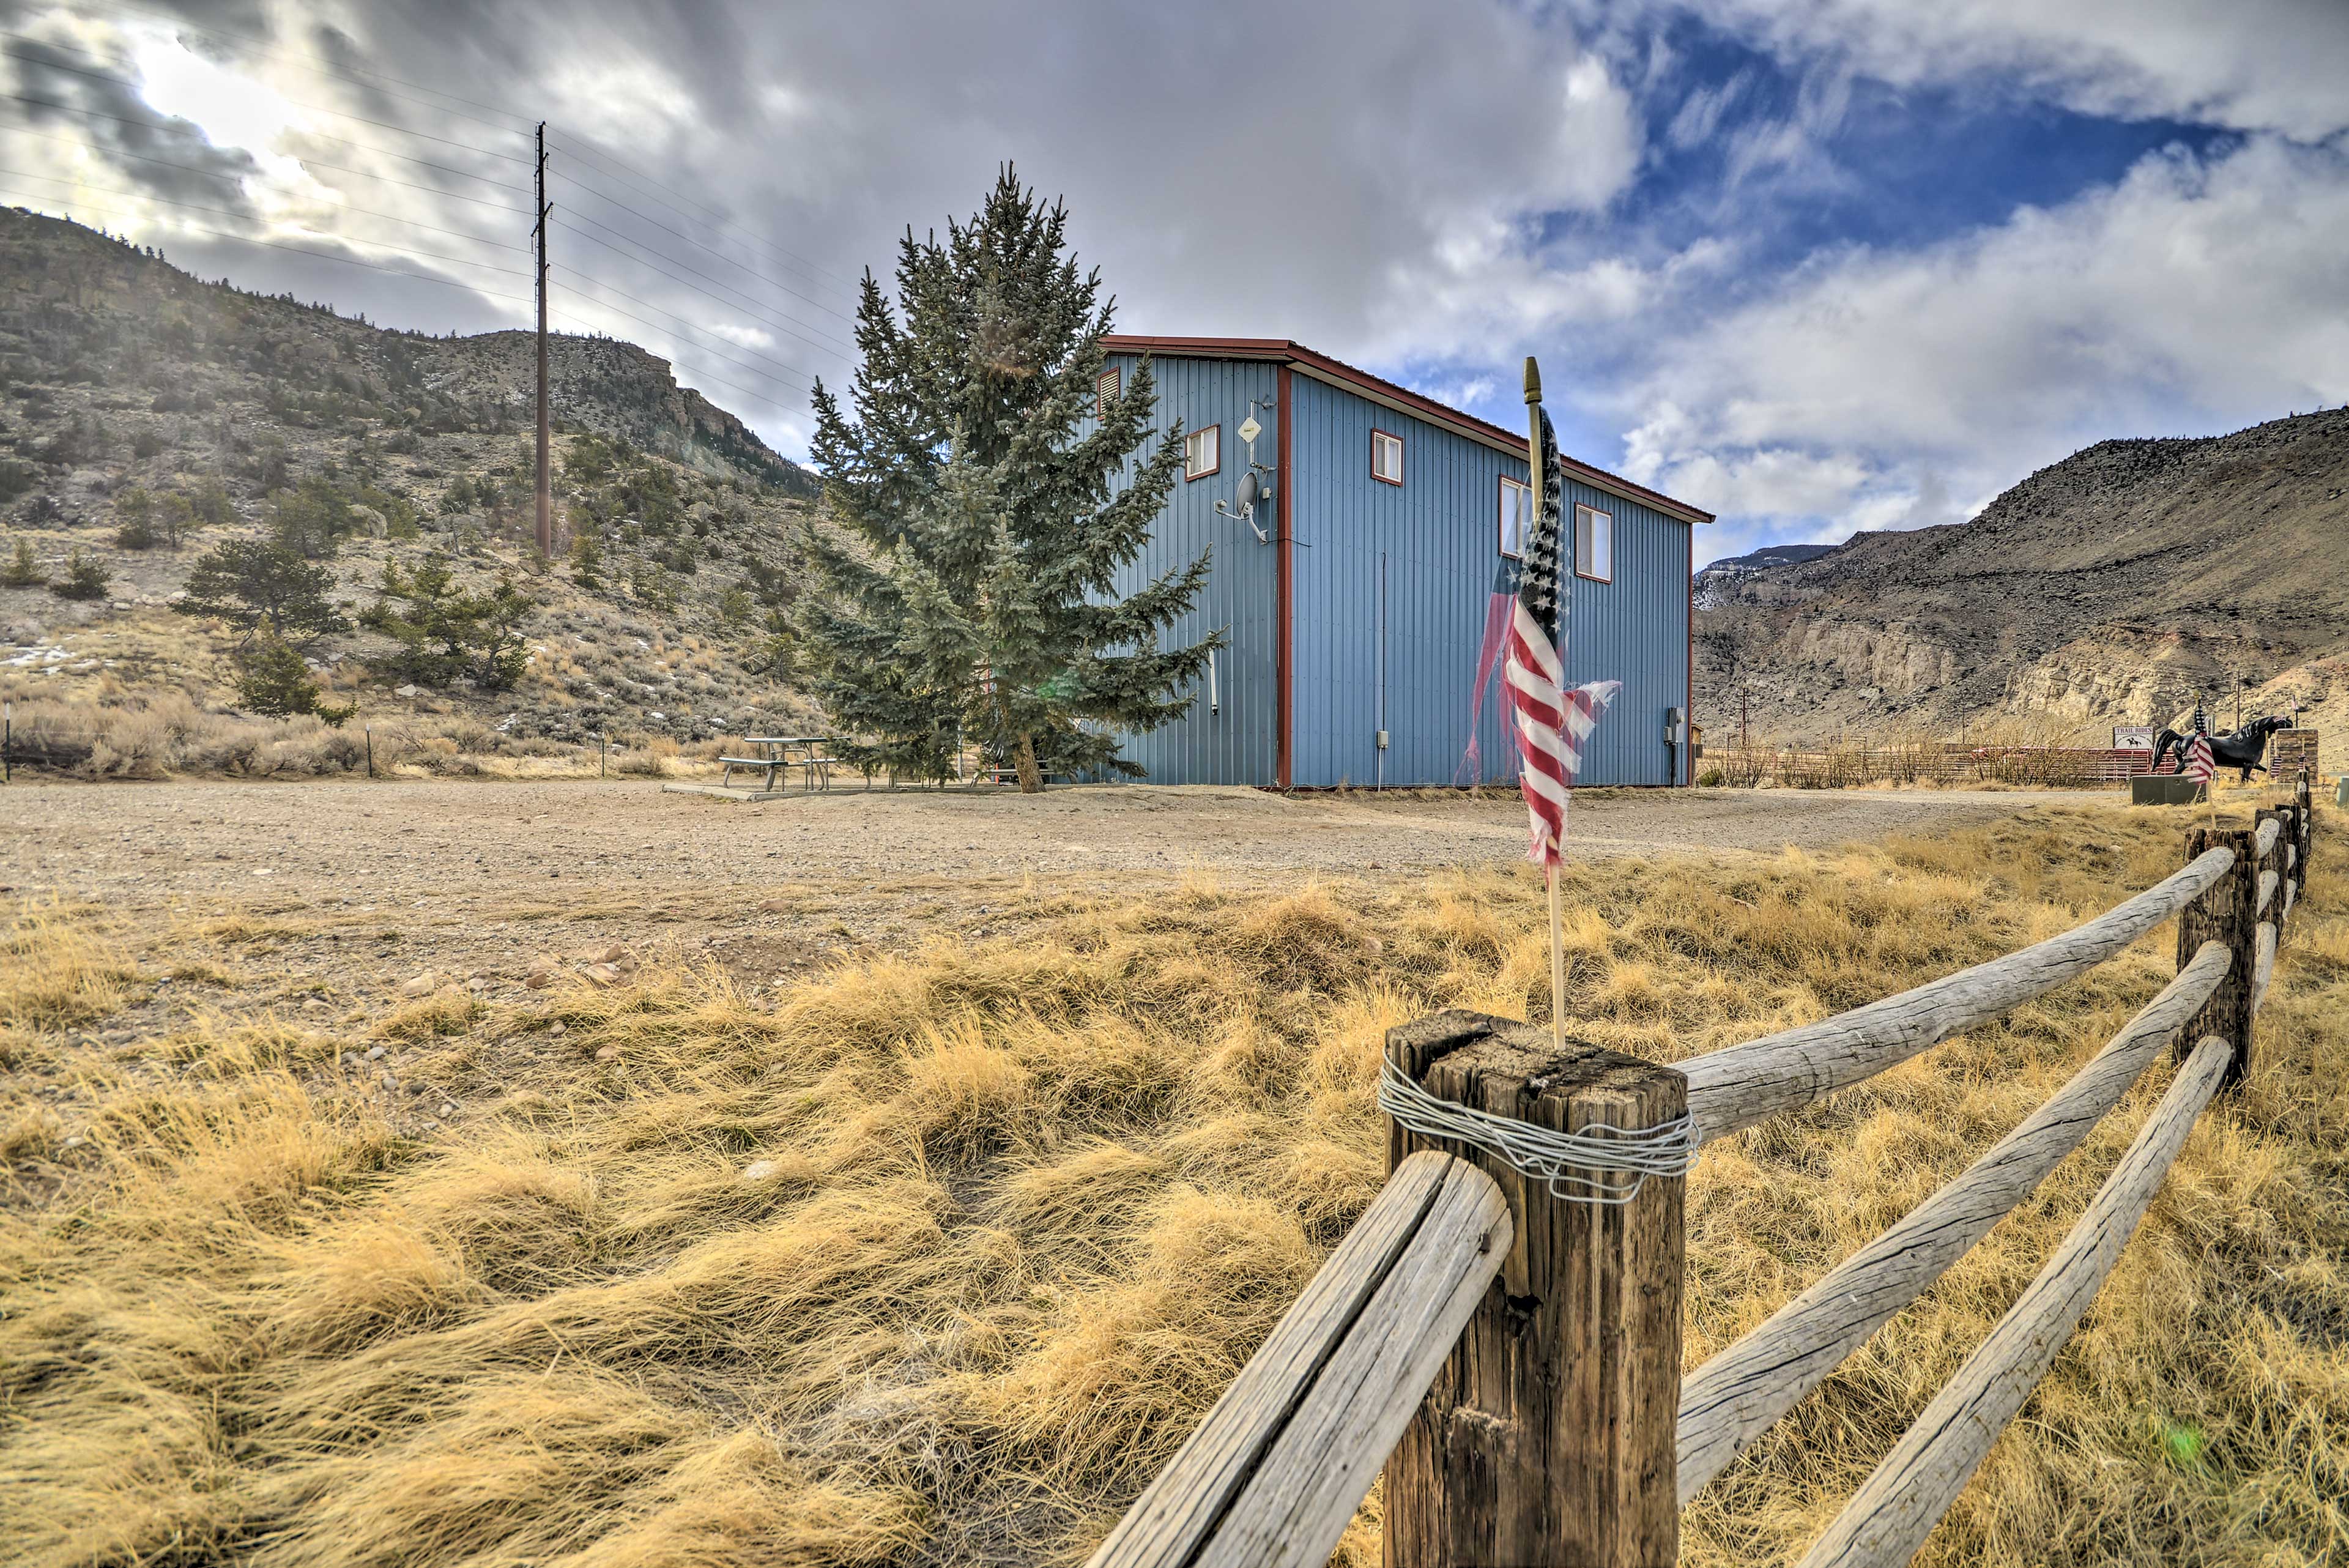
<point>1390,590</point>
<point>1236,743</point>
<point>1634,630</point>
<point>1410,634</point>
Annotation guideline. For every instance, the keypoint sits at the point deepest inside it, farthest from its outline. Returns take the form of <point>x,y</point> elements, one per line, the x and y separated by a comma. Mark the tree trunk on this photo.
<point>1031,777</point>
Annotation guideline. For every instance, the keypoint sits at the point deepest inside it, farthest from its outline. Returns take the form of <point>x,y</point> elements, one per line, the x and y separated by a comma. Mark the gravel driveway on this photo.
<point>139,844</point>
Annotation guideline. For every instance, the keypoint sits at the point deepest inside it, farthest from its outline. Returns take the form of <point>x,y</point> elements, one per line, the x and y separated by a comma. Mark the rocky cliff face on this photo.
<point>2107,588</point>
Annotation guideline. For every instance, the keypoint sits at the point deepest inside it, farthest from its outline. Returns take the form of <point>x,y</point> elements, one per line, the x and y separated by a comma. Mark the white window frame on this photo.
<point>1108,387</point>
<point>1594,544</point>
<point>1212,438</point>
<point>1517,512</point>
<point>1377,437</point>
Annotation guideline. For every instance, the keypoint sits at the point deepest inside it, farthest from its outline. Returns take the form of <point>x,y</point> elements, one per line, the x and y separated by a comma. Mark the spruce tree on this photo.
<point>976,597</point>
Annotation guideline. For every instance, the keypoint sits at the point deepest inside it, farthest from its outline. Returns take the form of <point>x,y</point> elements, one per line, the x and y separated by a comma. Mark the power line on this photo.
<point>698,244</point>
<point>306,162</point>
<point>818,340</point>
<point>682,325</point>
<point>238,180</point>
<point>752,310</point>
<point>312,107</point>
<point>315,135</point>
<point>309,163</point>
<point>802,265</point>
<point>717,217</point>
<point>259,46</point>
<point>297,250</point>
<point>588,328</point>
<point>226,213</point>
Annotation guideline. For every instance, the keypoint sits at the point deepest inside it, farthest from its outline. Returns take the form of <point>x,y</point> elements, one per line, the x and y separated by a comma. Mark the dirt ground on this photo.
<point>329,897</point>
<point>459,842</point>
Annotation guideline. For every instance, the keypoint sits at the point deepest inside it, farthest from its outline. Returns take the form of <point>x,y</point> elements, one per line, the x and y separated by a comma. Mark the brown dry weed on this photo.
<point>939,1259</point>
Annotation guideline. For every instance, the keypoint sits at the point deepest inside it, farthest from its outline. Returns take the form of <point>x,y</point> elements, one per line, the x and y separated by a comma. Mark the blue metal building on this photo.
<point>1355,591</point>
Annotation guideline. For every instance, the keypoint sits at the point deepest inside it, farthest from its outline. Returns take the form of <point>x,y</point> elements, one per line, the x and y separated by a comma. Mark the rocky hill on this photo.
<point>131,387</point>
<point>2107,588</point>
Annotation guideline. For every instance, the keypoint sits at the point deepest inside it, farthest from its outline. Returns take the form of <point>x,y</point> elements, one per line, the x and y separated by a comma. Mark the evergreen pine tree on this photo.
<point>22,572</point>
<point>977,598</point>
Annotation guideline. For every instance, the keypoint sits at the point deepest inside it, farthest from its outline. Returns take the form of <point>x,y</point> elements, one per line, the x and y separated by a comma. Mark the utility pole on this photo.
<point>545,481</point>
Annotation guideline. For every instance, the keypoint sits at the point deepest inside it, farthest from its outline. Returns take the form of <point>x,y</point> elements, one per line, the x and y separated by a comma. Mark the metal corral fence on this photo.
<point>2291,752</point>
<point>1507,1345</point>
<point>1841,767</point>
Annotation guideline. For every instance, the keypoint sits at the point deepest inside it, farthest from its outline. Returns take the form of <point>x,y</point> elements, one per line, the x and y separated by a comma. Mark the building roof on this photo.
<point>1321,366</point>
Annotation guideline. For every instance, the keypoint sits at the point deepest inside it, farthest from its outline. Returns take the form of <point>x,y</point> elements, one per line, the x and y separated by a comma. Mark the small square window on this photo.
<point>1516,516</point>
<point>1594,545</point>
<point>1386,457</point>
<point>1203,452</point>
<point>1106,387</point>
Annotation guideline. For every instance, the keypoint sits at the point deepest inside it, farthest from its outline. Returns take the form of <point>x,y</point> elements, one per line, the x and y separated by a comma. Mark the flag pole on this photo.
<point>1541,483</point>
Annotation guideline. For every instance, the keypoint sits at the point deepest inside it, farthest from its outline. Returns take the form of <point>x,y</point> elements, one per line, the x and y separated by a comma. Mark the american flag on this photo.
<point>2201,766</point>
<point>1551,721</point>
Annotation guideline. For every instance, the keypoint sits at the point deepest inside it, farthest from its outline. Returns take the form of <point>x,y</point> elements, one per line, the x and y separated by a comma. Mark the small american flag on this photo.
<point>1551,723</point>
<point>2201,766</point>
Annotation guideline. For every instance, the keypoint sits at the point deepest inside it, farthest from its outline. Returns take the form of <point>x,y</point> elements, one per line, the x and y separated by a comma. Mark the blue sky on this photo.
<point>1817,266</point>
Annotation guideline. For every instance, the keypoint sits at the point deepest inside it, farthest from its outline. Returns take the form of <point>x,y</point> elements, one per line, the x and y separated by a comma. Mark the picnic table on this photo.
<point>775,755</point>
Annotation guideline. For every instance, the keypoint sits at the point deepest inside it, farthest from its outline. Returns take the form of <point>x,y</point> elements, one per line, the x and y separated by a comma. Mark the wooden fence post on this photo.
<point>2226,911</point>
<point>2305,796</point>
<point>2273,861</point>
<point>1549,1437</point>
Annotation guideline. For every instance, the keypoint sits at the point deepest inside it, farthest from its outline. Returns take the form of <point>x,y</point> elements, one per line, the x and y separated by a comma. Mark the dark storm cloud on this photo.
<point>1431,189</point>
<point>71,93</point>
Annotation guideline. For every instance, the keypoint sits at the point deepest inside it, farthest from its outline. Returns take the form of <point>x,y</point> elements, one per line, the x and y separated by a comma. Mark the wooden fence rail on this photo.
<point>1735,1396</point>
<point>1506,1336</point>
<point>1898,1506</point>
<point>1743,1085</point>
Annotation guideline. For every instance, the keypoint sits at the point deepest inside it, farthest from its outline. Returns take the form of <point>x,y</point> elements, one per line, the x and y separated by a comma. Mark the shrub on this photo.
<point>136,507</point>
<point>274,679</point>
<point>312,518</point>
<point>84,580</point>
<point>447,633</point>
<point>210,502</point>
<point>20,572</point>
<point>247,581</point>
<point>1711,777</point>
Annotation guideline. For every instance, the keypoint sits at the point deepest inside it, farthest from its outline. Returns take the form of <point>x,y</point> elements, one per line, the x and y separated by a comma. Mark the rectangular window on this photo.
<point>1386,457</point>
<point>1203,452</point>
<point>1106,386</point>
<point>1594,545</point>
<point>1516,516</point>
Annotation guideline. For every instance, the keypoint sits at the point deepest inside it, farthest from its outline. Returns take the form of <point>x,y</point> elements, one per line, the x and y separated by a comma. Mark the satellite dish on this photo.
<point>1252,494</point>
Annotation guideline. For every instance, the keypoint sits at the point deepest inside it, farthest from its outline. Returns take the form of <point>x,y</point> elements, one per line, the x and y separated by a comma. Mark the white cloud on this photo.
<point>1896,389</point>
<point>2250,64</point>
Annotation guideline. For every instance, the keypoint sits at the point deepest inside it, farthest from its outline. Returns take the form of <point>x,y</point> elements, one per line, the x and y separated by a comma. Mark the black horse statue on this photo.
<point>2246,749</point>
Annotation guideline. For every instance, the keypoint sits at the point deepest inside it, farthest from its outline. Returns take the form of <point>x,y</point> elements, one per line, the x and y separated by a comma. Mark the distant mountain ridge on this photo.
<point>1715,579</point>
<point>2109,588</point>
<point>79,301</point>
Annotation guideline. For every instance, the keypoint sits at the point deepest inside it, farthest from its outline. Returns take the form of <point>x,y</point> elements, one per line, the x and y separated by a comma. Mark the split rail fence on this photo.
<point>1508,1346</point>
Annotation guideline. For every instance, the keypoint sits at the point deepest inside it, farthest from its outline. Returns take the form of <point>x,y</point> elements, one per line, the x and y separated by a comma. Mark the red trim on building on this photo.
<point>1688,747</point>
<point>1376,435</point>
<point>1283,703</point>
<point>1287,353</point>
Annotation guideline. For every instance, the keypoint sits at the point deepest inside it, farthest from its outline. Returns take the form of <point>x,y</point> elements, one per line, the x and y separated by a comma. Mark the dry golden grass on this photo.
<point>940,1258</point>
